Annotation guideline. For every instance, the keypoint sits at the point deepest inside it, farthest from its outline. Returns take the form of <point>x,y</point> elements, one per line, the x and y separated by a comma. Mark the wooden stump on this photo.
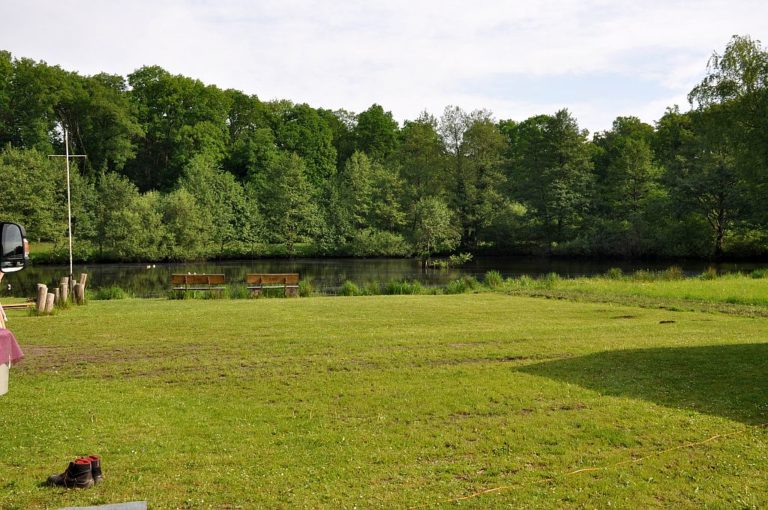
<point>49,302</point>
<point>64,286</point>
<point>78,294</point>
<point>57,296</point>
<point>42,292</point>
<point>79,289</point>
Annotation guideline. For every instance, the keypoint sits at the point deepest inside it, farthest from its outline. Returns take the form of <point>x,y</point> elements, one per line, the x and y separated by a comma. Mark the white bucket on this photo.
<point>4,371</point>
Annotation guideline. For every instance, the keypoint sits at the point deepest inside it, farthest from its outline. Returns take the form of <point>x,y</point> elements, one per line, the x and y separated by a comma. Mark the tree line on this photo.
<point>178,169</point>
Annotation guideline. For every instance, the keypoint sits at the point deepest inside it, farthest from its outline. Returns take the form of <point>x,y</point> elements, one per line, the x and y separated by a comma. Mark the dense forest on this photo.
<point>177,169</point>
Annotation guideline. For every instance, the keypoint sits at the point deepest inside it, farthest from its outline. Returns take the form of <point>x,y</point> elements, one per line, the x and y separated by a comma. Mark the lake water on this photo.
<point>327,275</point>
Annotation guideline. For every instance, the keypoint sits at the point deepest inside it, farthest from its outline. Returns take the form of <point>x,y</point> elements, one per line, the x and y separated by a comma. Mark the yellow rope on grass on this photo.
<point>593,469</point>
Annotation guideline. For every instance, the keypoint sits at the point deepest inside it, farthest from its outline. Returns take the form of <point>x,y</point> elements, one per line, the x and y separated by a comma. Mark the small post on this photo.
<point>42,292</point>
<point>57,296</point>
<point>64,287</point>
<point>49,302</point>
<point>78,294</point>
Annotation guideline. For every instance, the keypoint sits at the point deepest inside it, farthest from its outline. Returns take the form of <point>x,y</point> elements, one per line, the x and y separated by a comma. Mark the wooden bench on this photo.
<point>257,282</point>
<point>18,306</point>
<point>203,282</point>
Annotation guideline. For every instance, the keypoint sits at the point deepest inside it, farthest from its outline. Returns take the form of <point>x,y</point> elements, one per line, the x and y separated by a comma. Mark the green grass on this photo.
<point>729,289</point>
<point>389,402</point>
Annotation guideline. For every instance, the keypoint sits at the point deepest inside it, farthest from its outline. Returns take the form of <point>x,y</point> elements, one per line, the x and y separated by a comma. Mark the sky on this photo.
<point>598,58</point>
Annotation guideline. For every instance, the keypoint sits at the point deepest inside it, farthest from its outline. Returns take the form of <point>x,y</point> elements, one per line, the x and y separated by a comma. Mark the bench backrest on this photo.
<point>274,278</point>
<point>197,279</point>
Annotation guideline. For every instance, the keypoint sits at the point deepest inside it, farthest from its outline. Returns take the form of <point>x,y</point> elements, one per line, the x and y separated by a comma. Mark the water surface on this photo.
<point>327,274</point>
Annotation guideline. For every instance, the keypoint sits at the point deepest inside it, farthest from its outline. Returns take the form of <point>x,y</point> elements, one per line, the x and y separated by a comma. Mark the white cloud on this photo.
<point>405,55</point>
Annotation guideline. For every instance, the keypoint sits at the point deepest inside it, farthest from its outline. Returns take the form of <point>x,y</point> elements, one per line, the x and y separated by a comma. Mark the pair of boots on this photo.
<point>84,472</point>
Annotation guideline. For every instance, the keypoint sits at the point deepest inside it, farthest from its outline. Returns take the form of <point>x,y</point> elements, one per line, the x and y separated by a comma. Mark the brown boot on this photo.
<point>78,474</point>
<point>96,468</point>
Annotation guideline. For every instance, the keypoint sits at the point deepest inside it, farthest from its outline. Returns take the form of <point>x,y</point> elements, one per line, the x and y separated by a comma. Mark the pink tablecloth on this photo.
<point>9,348</point>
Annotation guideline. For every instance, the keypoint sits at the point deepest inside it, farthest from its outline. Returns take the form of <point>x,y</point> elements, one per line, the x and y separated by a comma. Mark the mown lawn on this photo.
<point>389,402</point>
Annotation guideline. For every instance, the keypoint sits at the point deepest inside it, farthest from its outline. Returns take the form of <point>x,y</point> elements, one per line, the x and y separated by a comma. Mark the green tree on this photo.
<point>551,171</point>
<point>302,130</point>
<point>434,230</point>
<point>736,86</point>
<point>251,144</point>
<point>7,122</point>
<point>353,192</point>
<point>421,158</point>
<point>186,226</point>
<point>115,195</point>
<point>364,196</point>
<point>342,124</point>
<point>101,121</point>
<point>483,178</point>
<point>33,193</point>
<point>386,210</point>
<point>289,206</point>
<point>375,133</point>
<point>707,182</point>
<point>221,202</point>
<point>147,238</point>
<point>627,185</point>
<point>32,92</point>
<point>181,118</point>
<point>453,125</point>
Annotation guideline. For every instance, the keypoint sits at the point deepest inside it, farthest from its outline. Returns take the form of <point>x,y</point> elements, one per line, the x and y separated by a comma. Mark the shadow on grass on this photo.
<point>724,380</point>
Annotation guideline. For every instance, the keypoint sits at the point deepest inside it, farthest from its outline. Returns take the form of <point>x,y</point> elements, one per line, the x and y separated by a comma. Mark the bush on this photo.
<point>759,273</point>
<point>522,282</point>
<point>550,280</point>
<point>459,259</point>
<point>306,288</point>
<point>493,279</point>
<point>397,287</point>
<point>643,275</point>
<point>109,293</point>
<point>673,273</point>
<point>455,287</point>
<point>349,288</point>
<point>709,274</point>
<point>378,243</point>
<point>462,285</point>
<point>238,292</point>
<point>452,261</point>
<point>372,289</point>
<point>614,273</point>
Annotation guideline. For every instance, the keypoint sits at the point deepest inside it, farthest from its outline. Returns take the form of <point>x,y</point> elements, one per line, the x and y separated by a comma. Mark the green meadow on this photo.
<point>727,289</point>
<point>618,393</point>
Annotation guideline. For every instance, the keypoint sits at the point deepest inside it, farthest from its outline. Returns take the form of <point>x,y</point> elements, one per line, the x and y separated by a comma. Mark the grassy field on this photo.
<point>731,293</point>
<point>391,402</point>
<point>732,289</point>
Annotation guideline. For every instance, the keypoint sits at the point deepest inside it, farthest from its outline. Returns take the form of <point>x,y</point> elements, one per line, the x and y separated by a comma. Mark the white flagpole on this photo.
<point>69,204</point>
<point>66,156</point>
